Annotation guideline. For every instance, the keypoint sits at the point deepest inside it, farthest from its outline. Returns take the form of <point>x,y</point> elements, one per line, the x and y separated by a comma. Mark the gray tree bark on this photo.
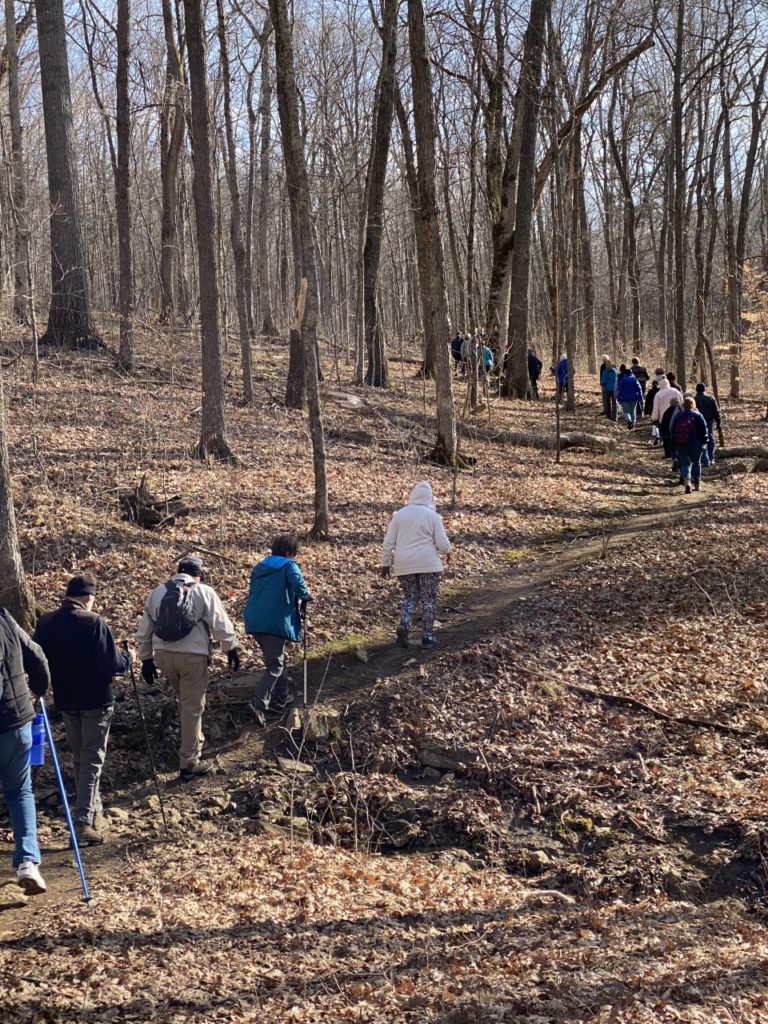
<point>123,183</point>
<point>14,592</point>
<point>21,282</point>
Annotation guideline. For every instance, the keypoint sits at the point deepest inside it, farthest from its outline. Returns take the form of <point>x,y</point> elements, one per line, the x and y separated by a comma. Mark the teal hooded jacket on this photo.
<point>276,589</point>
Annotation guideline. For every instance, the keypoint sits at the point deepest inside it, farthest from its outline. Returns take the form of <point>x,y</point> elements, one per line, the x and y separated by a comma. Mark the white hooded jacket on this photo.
<point>663,400</point>
<point>416,536</point>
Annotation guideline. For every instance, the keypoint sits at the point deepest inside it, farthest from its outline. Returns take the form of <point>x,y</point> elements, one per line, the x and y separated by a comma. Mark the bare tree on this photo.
<point>21,284</point>
<point>123,182</point>
<point>14,592</point>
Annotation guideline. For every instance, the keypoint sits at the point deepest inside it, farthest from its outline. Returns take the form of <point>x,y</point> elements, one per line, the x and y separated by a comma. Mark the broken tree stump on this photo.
<point>141,507</point>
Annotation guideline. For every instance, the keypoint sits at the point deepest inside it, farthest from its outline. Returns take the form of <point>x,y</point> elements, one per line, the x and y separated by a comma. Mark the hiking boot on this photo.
<point>258,715</point>
<point>402,635</point>
<point>87,835</point>
<point>428,641</point>
<point>278,707</point>
<point>100,821</point>
<point>687,488</point>
<point>197,771</point>
<point>697,487</point>
<point>28,877</point>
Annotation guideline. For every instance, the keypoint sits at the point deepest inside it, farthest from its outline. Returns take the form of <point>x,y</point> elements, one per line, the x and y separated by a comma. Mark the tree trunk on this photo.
<point>213,441</point>
<point>69,320</point>
<point>678,222</point>
<point>298,185</point>
<point>235,227</point>
<point>21,284</point>
<point>436,322</point>
<point>529,101</point>
<point>14,592</point>
<point>123,183</point>
<point>265,113</point>
<point>377,370</point>
<point>171,141</point>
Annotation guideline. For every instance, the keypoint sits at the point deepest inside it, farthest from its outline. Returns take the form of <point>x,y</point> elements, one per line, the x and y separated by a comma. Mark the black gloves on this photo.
<point>149,671</point>
<point>233,659</point>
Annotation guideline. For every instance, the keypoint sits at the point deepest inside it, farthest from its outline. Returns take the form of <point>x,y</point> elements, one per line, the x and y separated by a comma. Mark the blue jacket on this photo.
<point>276,589</point>
<point>628,389</point>
<point>608,378</point>
<point>562,372</point>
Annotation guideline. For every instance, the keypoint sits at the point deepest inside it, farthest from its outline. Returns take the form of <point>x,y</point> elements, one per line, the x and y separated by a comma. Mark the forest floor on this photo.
<point>481,838</point>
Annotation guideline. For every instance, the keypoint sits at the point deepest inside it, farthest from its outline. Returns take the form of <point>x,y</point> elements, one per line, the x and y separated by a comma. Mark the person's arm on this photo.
<point>388,547</point>
<point>34,661</point>
<point>297,583</point>
<point>216,619</point>
<point>716,417</point>
<point>144,633</point>
<point>110,660</point>
<point>442,543</point>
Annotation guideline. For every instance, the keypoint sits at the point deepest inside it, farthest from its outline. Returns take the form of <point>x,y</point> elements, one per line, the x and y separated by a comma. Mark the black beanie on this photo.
<point>190,565</point>
<point>81,586</point>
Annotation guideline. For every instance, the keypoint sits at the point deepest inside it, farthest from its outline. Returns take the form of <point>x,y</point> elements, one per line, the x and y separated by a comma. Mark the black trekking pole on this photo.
<point>146,738</point>
<point>67,813</point>
<point>304,635</point>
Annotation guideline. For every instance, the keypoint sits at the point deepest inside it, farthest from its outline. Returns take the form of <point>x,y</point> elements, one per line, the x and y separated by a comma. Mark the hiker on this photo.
<point>710,410</point>
<point>608,378</point>
<point>413,543</point>
<point>181,619</point>
<point>675,403</point>
<point>487,359</point>
<point>672,381</point>
<point>650,397</point>
<point>23,668</point>
<point>688,431</point>
<point>629,394</point>
<point>643,377</point>
<point>456,344</point>
<point>276,603</point>
<point>561,373</point>
<point>83,658</point>
<point>534,372</point>
<point>664,395</point>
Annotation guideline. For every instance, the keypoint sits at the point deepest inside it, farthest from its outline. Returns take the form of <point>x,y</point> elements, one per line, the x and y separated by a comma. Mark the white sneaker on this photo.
<point>29,878</point>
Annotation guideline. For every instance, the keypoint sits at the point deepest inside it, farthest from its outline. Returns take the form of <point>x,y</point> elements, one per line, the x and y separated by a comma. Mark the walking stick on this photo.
<point>63,791</point>
<point>146,738</point>
<point>304,635</point>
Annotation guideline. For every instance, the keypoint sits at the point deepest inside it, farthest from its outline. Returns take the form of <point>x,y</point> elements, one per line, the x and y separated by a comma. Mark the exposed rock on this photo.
<point>289,765</point>
<point>318,722</point>
<point>448,759</point>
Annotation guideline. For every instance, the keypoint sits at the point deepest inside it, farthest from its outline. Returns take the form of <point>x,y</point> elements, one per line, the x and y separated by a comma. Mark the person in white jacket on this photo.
<point>413,544</point>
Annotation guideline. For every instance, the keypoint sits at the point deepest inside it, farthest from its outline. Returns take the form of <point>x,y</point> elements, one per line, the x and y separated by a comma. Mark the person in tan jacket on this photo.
<point>181,619</point>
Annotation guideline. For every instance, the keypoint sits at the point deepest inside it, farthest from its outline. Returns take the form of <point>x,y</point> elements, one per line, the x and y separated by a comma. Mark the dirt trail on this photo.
<point>344,678</point>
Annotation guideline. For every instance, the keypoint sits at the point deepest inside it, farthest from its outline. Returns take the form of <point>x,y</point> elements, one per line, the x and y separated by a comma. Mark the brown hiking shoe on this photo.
<point>87,835</point>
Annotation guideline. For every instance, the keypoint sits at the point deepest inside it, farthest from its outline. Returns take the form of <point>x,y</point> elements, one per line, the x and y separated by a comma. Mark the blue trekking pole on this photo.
<point>62,790</point>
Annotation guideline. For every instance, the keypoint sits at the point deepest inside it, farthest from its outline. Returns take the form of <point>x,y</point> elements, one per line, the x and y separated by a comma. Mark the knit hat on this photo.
<point>191,565</point>
<point>701,387</point>
<point>81,586</point>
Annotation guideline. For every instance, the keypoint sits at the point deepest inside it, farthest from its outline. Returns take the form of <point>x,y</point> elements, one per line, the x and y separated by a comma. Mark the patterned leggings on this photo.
<point>420,586</point>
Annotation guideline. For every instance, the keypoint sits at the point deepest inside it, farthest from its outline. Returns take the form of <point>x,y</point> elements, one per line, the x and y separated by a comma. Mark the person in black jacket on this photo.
<point>710,410</point>
<point>83,659</point>
<point>22,666</point>
<point>534,371</point>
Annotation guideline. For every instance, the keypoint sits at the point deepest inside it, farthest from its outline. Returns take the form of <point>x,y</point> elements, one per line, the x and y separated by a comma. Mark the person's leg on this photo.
<point>606,408</point>
<point>711,448</point>
<point>193,683</point>
<point>429,583</point>
<point>410,587</point>
<point>273,653</point>
<point>93,751</point>
<point>73,729</point>
<point>613,414</point>
<point>16,777</point>
<point>684,461</point>
<point>695,456</point>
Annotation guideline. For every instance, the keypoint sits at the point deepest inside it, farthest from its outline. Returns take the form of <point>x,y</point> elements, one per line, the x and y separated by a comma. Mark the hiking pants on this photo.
<point>272,688</point>
<point>708,456</point>
<point>88,733</point>
<point>16,780</point>
<point>630,411</point>
<point>420,587</point>
<point>188,676</point>
<point>609,404</point>
<point>689,458</point>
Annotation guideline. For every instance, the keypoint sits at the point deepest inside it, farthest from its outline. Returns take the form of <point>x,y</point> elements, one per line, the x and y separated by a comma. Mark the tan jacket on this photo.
<point>213,623</point>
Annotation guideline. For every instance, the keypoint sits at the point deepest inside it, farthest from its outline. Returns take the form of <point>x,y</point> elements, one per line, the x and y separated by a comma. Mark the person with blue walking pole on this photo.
<point>23,672</point>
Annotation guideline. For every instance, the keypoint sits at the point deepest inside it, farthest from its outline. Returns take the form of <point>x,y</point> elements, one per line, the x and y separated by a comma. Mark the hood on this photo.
<point>422,495</point>
<point>272,563</point>
<point>662,382</point>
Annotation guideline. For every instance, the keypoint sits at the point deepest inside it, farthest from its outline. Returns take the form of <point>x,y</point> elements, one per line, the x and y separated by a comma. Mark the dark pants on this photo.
<point>689,458</point>
<point>88,735</point>
<point>272,688</point>
<point>609,404</point>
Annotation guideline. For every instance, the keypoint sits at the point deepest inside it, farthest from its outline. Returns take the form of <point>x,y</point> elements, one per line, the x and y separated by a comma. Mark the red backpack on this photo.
<point>684,427</point>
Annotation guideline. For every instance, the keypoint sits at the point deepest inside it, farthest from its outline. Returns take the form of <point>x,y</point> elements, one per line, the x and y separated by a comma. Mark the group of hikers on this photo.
<point>684,423</point>
<point>466,348</point>
<point>73,650</point>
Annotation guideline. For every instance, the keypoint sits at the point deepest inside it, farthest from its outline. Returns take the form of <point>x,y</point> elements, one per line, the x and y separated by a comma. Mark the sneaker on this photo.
<point>87,835</point>
<point>402,635</point>
<point>428,641</point>
<point>278,707</point>
<point>258,715</point>
<point>687,488</point>
<point>196,771</point>
<point>29,878</point>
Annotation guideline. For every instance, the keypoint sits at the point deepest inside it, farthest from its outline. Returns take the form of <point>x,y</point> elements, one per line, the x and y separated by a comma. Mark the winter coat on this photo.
<point>416,536</point>
<point>277,587</point>
<point>456,347</point>
<point>487,358</point>
<point>701,435</point>
<point>213,623</point>
<point>534,366</point>
<point>608,377</point>
<point>661,402</point>
<point>21,659</point>
<point>649,399</point>
<point>562,372</point>
<point>628,388</point>
<point>641,373</point>
<point>82,657</point>
<point>709,409</point>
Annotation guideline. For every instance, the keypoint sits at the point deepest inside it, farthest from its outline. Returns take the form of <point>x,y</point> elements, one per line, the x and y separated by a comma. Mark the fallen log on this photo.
<point>140,506</point>
<point>743,452</point>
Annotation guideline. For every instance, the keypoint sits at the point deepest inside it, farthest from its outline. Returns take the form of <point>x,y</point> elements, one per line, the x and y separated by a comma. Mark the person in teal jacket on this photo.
<point>273,611</point>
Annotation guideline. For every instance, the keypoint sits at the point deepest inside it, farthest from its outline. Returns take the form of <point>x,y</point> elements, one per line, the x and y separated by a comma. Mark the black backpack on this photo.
<point>176,618</point>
